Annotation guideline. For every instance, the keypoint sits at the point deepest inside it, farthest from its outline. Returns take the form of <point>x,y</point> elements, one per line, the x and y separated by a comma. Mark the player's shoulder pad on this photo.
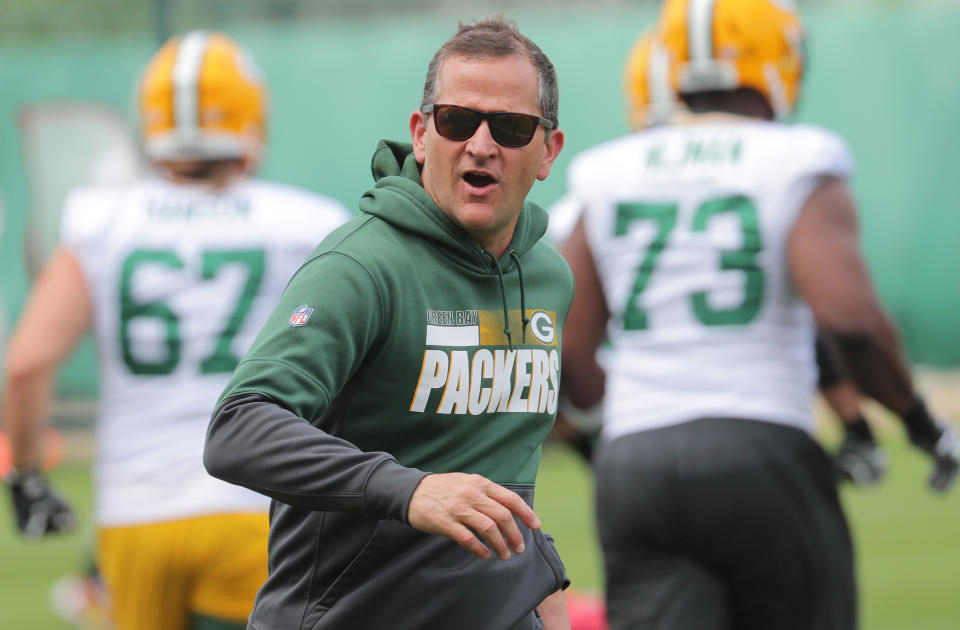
<point>88,211</point>
<point>293,196</point>
<point>595,166</point>
<point>820,151</point>
<point>564,214</point>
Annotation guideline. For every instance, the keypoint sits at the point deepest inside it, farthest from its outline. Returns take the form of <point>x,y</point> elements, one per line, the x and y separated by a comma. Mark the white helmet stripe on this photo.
<point>186,78</point>
<point>700,35</point>
<point>658,84</point>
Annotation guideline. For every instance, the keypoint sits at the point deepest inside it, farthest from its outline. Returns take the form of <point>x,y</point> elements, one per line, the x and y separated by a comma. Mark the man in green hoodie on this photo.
<point>394,404</point>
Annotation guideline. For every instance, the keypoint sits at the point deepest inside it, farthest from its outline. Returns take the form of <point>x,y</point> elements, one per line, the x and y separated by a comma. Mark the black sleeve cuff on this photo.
<point>388,490</point>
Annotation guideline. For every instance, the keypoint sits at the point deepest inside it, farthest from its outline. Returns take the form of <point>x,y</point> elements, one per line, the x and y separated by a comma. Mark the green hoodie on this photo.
<point>399,347</point>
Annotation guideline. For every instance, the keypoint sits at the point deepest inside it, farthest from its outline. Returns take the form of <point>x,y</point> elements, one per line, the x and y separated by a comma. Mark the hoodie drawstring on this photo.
<point>503,296</point>
<point>523,304</point>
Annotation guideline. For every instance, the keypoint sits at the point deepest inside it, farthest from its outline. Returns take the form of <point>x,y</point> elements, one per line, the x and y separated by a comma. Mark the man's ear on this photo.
<point>554,143</point>
<point>418,128</point>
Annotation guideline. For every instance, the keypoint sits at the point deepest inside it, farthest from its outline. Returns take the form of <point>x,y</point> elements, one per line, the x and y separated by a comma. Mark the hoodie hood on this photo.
<point>400,199</point>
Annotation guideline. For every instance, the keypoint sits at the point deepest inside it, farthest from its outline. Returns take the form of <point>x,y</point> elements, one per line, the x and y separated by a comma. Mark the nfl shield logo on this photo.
<point>300,317</point>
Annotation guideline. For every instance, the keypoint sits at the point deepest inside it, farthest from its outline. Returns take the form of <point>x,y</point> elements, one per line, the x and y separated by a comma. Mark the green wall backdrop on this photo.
<point>884,77</point>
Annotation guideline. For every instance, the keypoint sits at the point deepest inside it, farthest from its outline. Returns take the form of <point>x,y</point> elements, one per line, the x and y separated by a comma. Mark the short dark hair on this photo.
<point>493,38</point>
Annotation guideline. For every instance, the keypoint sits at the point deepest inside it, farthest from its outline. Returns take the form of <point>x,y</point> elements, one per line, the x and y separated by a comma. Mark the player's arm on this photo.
<point>53,320</point>
<point>568,432</point>
<point>582,377</point>
<point>858,458</point>
<point>829,271</point>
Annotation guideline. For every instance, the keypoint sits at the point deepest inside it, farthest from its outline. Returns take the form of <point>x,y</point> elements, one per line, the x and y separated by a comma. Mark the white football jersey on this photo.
<point>180,279</point>
<point>688,227</point>
<point>564,214</point>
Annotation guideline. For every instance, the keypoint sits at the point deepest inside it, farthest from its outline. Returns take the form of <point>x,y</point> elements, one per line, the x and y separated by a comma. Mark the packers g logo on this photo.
<point>542,327</point>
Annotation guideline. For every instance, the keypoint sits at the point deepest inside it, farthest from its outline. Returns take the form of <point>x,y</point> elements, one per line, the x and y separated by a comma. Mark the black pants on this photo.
<point>723,524</point>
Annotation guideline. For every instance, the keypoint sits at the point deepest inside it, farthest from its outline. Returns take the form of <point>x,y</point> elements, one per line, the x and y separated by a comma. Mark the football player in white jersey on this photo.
<point>175,274</point>
<point>650,101</point>
<point>710,249</point>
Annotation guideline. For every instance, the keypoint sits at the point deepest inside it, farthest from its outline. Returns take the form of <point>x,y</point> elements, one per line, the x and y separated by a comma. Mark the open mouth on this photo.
<point>478,180</point>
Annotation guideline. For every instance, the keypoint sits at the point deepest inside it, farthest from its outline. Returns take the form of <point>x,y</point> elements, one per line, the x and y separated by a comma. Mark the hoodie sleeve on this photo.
<point>325,323</point>
<point>255,443</point>
<point>267,434</point>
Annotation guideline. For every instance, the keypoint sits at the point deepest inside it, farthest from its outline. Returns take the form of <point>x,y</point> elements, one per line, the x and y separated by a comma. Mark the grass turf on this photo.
<point>908,544</point>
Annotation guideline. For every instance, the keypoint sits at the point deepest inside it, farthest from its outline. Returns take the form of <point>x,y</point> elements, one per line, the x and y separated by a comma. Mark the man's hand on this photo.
<point>860,460</point>
<point>453,504</point>
<point>39,510</point>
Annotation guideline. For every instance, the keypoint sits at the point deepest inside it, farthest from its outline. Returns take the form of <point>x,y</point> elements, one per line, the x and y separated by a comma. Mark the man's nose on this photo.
<point>481,143</point>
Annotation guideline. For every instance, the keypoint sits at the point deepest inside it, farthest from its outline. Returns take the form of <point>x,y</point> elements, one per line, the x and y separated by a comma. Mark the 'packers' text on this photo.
<point>513,381</point>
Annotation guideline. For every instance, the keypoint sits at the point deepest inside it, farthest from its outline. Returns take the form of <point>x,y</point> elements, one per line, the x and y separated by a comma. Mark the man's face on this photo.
<point>476,182</point>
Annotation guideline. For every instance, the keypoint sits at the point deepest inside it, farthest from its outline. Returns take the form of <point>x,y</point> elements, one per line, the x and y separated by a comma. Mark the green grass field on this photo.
<point>908,544</point>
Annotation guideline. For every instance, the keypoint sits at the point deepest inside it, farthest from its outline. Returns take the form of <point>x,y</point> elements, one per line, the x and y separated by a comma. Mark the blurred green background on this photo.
<point>881,74</point>
<point>345,73</point>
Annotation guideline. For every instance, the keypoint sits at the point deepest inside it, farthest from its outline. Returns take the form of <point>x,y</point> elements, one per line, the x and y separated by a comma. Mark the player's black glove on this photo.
<point>938,439</point>
<point>39,510</point>
<point>859,459</point>
<point>947,455</point>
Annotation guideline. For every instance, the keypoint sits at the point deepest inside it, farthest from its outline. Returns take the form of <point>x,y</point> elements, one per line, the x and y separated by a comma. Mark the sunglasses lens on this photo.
<point>508,129</point>
<point>513,130</point>
<point>455,123</point>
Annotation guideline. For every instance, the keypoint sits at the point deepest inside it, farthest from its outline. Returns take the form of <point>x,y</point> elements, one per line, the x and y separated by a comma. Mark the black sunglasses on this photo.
<point>509,129</point>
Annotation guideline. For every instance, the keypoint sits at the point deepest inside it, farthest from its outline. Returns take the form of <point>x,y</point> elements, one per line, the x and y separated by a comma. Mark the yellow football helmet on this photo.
<point>729,44</point>
<point>202,98</point>
<point>646,83</point>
